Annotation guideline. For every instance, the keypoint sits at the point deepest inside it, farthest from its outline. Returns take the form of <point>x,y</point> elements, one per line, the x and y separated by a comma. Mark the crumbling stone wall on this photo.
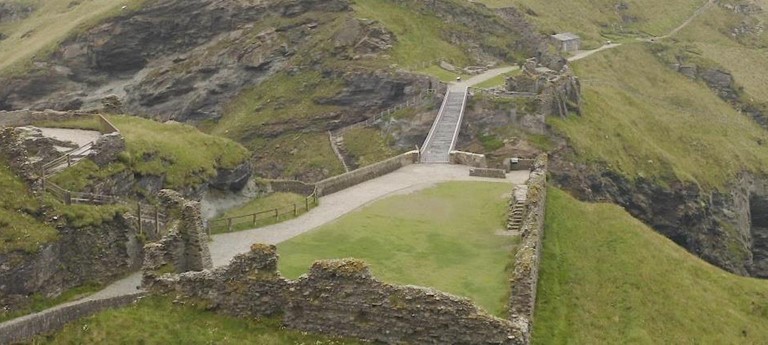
<point>558,93</point>
<point>525,275</point>
<point>469,159</point>
<point>185,247</point>
<point>338,297</point>
<point>489,173</point>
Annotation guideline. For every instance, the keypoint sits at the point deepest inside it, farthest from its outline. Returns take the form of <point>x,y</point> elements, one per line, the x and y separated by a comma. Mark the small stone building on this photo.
<point>567,41</point>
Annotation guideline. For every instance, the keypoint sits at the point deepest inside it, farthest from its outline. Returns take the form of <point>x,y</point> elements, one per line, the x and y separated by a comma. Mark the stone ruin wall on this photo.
<point>525,276</point>
<point>342,298</point>
<point>185,247</point>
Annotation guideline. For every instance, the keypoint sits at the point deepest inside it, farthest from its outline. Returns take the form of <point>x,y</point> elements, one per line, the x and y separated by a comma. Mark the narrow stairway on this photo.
<point>442,136</point>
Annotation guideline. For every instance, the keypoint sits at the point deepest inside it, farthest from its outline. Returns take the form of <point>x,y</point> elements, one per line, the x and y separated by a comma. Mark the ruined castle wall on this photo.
<point>525,276</point>
<point>340,182</point>
<point>341,298</point>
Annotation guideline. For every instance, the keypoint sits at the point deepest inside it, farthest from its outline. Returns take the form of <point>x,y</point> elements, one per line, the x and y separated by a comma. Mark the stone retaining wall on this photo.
<point>525,275</point>
<point>19,118</point>
<point>490,173</point>
<point>340,182</point>
<point>341,298</point>
<point>30,326</point>
<point>291,186</point>
<point>470,159</point>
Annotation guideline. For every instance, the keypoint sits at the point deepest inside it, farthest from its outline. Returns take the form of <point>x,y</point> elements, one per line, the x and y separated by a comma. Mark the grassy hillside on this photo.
<point>681,130</point>
<point>49,24</point>
<point>608,279</point>
<point>157,320</point>
<point>445,237</point>
<point>599,20</point>
<point>709,37</point>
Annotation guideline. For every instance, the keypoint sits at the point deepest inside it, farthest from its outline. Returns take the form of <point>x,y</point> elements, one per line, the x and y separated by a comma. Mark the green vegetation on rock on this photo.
<point>681,130</point>
<point>447,237</point>
<point>19,228</point>
<point>367,145</point>
<point>158,320</point>
<point>606,278</point>
<point>181,153</point>
<point>597,20</point>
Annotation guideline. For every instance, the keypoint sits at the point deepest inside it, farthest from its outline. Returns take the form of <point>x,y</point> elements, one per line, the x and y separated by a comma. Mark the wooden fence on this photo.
<point>262,218</point>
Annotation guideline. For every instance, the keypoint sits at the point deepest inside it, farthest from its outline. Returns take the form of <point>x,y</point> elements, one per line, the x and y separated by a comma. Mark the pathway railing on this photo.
<point>415,101</point>
<point>262,218</point>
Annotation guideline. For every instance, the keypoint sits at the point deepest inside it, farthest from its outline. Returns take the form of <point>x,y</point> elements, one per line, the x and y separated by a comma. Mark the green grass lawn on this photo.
<point>367,145</point>
<point>679,131</point>
<point>283,202</point>
<point>51,23</point>
<point>444,237</point>
<point>157,320</point>
<point>606,278</point>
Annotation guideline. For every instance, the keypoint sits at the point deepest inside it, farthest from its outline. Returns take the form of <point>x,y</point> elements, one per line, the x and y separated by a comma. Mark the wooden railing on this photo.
<point>68,159</point>
<point>262,218</point>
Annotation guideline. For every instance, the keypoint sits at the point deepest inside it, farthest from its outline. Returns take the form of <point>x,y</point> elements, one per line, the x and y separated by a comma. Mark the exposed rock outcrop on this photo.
<point>91,254</point>
<point>725,228</point>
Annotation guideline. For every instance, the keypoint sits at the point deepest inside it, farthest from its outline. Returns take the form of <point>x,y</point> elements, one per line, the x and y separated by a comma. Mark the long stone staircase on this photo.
<point>442,137</point>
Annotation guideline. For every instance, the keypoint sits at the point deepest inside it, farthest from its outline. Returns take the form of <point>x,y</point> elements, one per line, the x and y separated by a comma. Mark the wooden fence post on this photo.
<point>277,214</point>
<point>295,212</point>
<point>69,160</point>
<point>254,219</point>
<point>306,203</point>
<point>68,198</point>
<point>229,224</point>
<point>138,208</point>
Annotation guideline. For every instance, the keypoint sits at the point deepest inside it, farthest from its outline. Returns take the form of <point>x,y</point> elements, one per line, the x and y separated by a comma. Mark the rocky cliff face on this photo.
<point>726,228</point>
<point>94,254</point>
<point>173,59</point>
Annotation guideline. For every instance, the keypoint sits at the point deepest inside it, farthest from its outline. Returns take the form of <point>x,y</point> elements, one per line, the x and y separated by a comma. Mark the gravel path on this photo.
<point>77,136</point>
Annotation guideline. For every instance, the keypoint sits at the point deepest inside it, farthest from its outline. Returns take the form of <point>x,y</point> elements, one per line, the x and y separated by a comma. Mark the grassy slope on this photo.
<point>283,202</point>
<point>449,230</point>
<point>367,145</point>
<point>705,35</point>
<point>180,152</point>
<point>157,320</point>
<point>419,37</point>
<point>50,24</point>
<point>608,279</point>
<point>594,20</point>
<point>641,129</point>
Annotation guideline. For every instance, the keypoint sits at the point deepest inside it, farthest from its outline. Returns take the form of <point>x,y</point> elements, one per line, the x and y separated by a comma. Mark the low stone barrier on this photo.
<point>490,173</point>
<point>30,326</point>
<point>19,118</point>
<point>340,182</point>
<point>291,186</point>
<point>469,159</point>
<point>525,276</point>
<point>341,298</point>
<point>521,164</point>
